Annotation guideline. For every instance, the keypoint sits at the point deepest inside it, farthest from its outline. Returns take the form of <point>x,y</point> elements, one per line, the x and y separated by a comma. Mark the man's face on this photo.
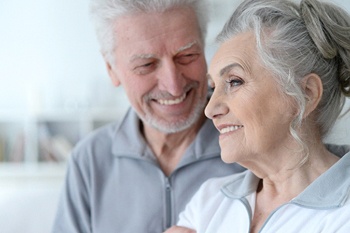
<point>159,60</point>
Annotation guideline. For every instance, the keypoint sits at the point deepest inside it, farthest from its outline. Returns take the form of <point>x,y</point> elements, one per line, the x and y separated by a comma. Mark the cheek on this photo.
<point>197,70</point>
<point>256,117</point>
<point>268,125</point>
<point>134,88</point>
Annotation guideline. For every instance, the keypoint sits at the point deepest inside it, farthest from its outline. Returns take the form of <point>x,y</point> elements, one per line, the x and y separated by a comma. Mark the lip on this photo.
<point>174,101</point>
<point>228,128</point>
<point>168,100</point>
<point>172,107</point>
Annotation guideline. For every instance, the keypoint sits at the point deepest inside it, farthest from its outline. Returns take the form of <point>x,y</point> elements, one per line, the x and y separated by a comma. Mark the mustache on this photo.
<point>166,95</point>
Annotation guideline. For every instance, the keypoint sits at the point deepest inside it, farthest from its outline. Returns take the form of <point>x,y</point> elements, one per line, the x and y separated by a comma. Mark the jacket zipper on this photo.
<point>168,203</point>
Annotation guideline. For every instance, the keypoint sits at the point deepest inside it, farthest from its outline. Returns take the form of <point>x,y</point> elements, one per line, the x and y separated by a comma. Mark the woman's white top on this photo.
<point>227,204</point>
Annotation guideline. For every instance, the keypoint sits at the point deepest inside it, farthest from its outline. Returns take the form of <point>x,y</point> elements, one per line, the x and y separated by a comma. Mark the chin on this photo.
<point>227,158</point>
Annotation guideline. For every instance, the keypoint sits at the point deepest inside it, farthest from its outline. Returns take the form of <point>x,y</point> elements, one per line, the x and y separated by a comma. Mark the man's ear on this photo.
<point>313,90</point>
<point>112,74</point>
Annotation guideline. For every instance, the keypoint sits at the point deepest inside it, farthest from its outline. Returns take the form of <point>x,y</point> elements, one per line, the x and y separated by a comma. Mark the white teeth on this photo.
<point>172,102</point>
<point>230,128</point>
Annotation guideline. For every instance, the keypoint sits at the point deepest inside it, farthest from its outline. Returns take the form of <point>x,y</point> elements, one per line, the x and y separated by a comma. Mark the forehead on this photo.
<point>153,33</point>
<point>240,50</point>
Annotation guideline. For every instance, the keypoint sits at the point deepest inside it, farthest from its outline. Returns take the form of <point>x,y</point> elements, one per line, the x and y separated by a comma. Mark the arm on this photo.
<point>176,229</point>
<point>73,211</point>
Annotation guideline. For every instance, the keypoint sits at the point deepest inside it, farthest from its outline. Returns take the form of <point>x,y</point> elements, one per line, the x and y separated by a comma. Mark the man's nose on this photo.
<point>171,78</point>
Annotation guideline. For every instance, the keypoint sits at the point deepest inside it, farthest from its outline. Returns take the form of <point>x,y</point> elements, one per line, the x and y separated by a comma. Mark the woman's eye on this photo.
<point>233,82</point>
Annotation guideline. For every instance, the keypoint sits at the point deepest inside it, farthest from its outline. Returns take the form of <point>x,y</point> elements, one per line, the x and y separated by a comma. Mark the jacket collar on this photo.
<point>129,142</point>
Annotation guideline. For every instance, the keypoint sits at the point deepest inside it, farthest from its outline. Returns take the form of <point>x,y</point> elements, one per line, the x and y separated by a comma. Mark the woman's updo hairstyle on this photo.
<point>295,40</point>
<point>330,31</point>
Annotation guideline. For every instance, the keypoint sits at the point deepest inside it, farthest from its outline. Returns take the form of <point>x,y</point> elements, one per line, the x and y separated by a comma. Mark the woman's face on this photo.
<point>247,106</point>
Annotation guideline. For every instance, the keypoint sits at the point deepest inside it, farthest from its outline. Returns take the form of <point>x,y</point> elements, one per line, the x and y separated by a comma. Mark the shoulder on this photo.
<point>97,141</point>
<point>206,202</point>
<point>103,137</point>
<point>216,185</point>
<point>92,154</point>
<point>338,150</point>
<point>103,134</point>
<point>212,189</point>
<point>219,182</point>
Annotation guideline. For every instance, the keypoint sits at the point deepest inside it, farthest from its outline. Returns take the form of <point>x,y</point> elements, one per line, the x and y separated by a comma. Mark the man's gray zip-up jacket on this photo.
<point>114,183</point>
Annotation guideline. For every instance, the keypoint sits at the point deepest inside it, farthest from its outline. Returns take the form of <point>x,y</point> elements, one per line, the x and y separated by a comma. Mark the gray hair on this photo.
<point>312,37</point>
<point>104,13</point>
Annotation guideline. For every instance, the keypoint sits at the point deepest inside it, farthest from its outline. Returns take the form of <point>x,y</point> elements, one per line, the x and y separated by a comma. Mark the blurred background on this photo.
<point>54,90</point>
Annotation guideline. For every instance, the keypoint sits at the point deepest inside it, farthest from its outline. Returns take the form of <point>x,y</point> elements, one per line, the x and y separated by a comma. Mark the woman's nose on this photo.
<point>216,106</point>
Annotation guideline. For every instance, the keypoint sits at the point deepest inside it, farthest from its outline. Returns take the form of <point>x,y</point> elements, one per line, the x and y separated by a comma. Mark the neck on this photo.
<point>170,147</point>
<point>293,178</point>
<point>284,183</point>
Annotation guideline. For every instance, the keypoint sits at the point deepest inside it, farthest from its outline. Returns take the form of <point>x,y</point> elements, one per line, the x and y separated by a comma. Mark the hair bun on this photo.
<point>310,12</point>
<point>330,32</point>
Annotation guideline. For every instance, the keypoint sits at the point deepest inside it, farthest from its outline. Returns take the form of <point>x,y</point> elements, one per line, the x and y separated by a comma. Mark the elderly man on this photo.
<point>137,175</point>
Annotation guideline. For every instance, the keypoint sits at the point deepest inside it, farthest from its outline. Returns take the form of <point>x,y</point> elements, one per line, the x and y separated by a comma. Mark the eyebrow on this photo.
<point>189,45</point>
<point>229,67</point>
<point>147,56</point>
<point>142,56</point>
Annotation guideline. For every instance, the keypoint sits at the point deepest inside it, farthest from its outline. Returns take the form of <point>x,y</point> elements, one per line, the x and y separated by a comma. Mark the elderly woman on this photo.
<point>281,76</point>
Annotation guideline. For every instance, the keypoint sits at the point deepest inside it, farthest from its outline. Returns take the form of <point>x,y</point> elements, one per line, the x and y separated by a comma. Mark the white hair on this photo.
<point>105,12</point>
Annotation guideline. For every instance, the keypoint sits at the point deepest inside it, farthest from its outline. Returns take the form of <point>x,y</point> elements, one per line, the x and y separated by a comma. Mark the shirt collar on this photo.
<point>243,184</point>
<point>330,190</point>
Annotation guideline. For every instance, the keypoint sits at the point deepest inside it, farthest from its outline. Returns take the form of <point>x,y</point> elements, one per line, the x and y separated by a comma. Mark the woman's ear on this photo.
<point>112,74</point>
<point>313,90</point>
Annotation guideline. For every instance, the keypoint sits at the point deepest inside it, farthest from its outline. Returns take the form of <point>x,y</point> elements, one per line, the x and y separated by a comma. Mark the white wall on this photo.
<point>49,57</point>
